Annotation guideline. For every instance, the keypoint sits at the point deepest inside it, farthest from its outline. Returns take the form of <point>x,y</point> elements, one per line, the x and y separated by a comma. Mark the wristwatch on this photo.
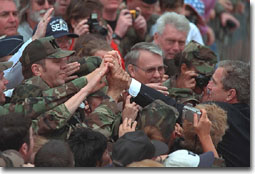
<point>115,36</point>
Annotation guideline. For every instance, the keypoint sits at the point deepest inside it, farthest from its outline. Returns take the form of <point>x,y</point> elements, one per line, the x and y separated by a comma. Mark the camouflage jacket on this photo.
<point>181,95</point>
<point>56,119</point>
<point>56,123</point>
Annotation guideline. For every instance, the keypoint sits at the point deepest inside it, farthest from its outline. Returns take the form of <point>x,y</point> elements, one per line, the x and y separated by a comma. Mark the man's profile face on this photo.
<point>53,72</point>
<point>9,21</point>
<point>215,91</point>
<point>3,83</point>
<point>171,41</point>
<point>149,68</point>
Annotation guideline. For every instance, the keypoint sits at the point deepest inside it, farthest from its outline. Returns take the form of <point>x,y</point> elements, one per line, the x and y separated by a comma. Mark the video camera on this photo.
<point>94,26</point>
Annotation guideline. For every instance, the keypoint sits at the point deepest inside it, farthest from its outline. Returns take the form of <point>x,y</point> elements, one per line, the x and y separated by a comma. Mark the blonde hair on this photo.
<point>217,116</point>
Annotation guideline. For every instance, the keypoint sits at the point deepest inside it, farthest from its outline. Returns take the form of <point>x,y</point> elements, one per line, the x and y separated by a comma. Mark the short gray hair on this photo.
<point>180,22</point>
<point>236,76</point>
<point>133,55</point>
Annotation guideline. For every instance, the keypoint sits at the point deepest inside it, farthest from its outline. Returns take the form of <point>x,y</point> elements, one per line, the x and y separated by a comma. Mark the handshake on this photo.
<point>117,78</point>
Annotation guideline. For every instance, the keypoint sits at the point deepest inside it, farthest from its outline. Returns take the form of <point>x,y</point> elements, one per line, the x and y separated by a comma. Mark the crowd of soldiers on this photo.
<point>135,83</point>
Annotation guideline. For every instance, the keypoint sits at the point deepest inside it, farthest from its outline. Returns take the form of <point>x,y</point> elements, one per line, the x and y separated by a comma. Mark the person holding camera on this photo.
<point>195,67</point>
<point>129,26</point>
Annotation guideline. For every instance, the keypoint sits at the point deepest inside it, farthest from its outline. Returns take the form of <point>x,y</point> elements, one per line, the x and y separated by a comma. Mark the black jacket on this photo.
<point>235,144</point>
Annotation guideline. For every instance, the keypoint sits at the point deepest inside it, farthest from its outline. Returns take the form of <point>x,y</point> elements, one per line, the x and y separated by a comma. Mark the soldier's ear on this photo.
<point>24,150</point>
<point>36,69</point>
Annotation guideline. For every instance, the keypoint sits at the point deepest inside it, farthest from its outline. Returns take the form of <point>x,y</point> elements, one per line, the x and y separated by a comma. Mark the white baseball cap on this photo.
<point>185,158</point>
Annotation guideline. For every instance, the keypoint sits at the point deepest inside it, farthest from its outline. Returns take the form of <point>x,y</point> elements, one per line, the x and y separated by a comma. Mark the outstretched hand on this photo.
<point>42,25</point>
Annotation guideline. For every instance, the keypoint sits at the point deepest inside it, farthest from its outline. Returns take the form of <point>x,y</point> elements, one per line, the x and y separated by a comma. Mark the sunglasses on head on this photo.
<point>42,2</point>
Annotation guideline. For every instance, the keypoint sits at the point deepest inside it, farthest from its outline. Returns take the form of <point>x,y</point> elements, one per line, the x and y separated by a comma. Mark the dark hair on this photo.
<point>55,153</point>
<point>81,9</point>
<point>88,44</point>
<point>180,59</point>
<point>170,4</point>
<point>14,131</point>
<point>88,147</point>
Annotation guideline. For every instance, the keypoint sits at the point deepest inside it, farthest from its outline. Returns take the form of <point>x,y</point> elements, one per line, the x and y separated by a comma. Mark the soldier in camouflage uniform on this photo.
<point>34,106</point>
<point>58,122</point>
<point>201,61</point>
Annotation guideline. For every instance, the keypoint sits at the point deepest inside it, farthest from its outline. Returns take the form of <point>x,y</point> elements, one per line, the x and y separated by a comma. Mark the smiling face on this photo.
<point>9,21</point>
<point>53,72</point>
<point>3,83</point>
<point>171,41</point>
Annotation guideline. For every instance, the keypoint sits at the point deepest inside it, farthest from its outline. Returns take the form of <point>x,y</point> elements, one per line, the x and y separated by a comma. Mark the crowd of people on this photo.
<point>124,83</point>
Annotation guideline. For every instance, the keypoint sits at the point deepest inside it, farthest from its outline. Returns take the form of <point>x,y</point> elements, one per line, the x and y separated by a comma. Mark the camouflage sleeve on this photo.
<point>102,119</point>
<point>32,107</point>
<point>58,116</point>
<point>66,89</point>
<point>51,120</point>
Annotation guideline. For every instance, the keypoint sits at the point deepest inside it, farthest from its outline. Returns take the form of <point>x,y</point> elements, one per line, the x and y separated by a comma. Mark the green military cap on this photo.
<point>202,57</point>
<point>88,65</point>
<point>11,158</point>
<point>5,65</point>
<point>43,48</point>
<point>160,115</point>
<point>183,95</point>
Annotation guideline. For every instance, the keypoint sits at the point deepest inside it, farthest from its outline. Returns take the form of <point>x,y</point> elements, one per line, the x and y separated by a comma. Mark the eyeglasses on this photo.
<point>160,69</point>
<point>42,2</point>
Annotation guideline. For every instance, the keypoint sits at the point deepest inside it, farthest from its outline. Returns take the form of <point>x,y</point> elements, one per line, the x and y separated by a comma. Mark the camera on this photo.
<point>230,24</point>
<point>202,80</point>
<point>188,113</point>
<point>94,26</point>
<point>134,13</point>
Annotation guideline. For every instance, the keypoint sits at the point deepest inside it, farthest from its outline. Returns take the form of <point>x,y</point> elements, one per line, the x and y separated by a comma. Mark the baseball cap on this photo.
<point>57,27</point>
<point>160,115</point>
<point>10,45</point>
<point>185,158</point>
<point>150,1</point>
<point>43,48</point>
<point>5,65</point>
<point>136,146</point>
<point>202,57</point>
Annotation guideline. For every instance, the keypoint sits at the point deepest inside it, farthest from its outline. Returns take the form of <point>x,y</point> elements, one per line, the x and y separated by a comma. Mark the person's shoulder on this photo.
<point>11,158</point>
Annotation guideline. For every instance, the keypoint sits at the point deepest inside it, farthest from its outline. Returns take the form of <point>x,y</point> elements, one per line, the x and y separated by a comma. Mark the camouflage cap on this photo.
<point>88,64</point>
<point>160,115</point>
<point>11,158</point>
<point>202,57</point>
<point>183,95</point>
<point>5,65</point>
<point>43,48</point>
